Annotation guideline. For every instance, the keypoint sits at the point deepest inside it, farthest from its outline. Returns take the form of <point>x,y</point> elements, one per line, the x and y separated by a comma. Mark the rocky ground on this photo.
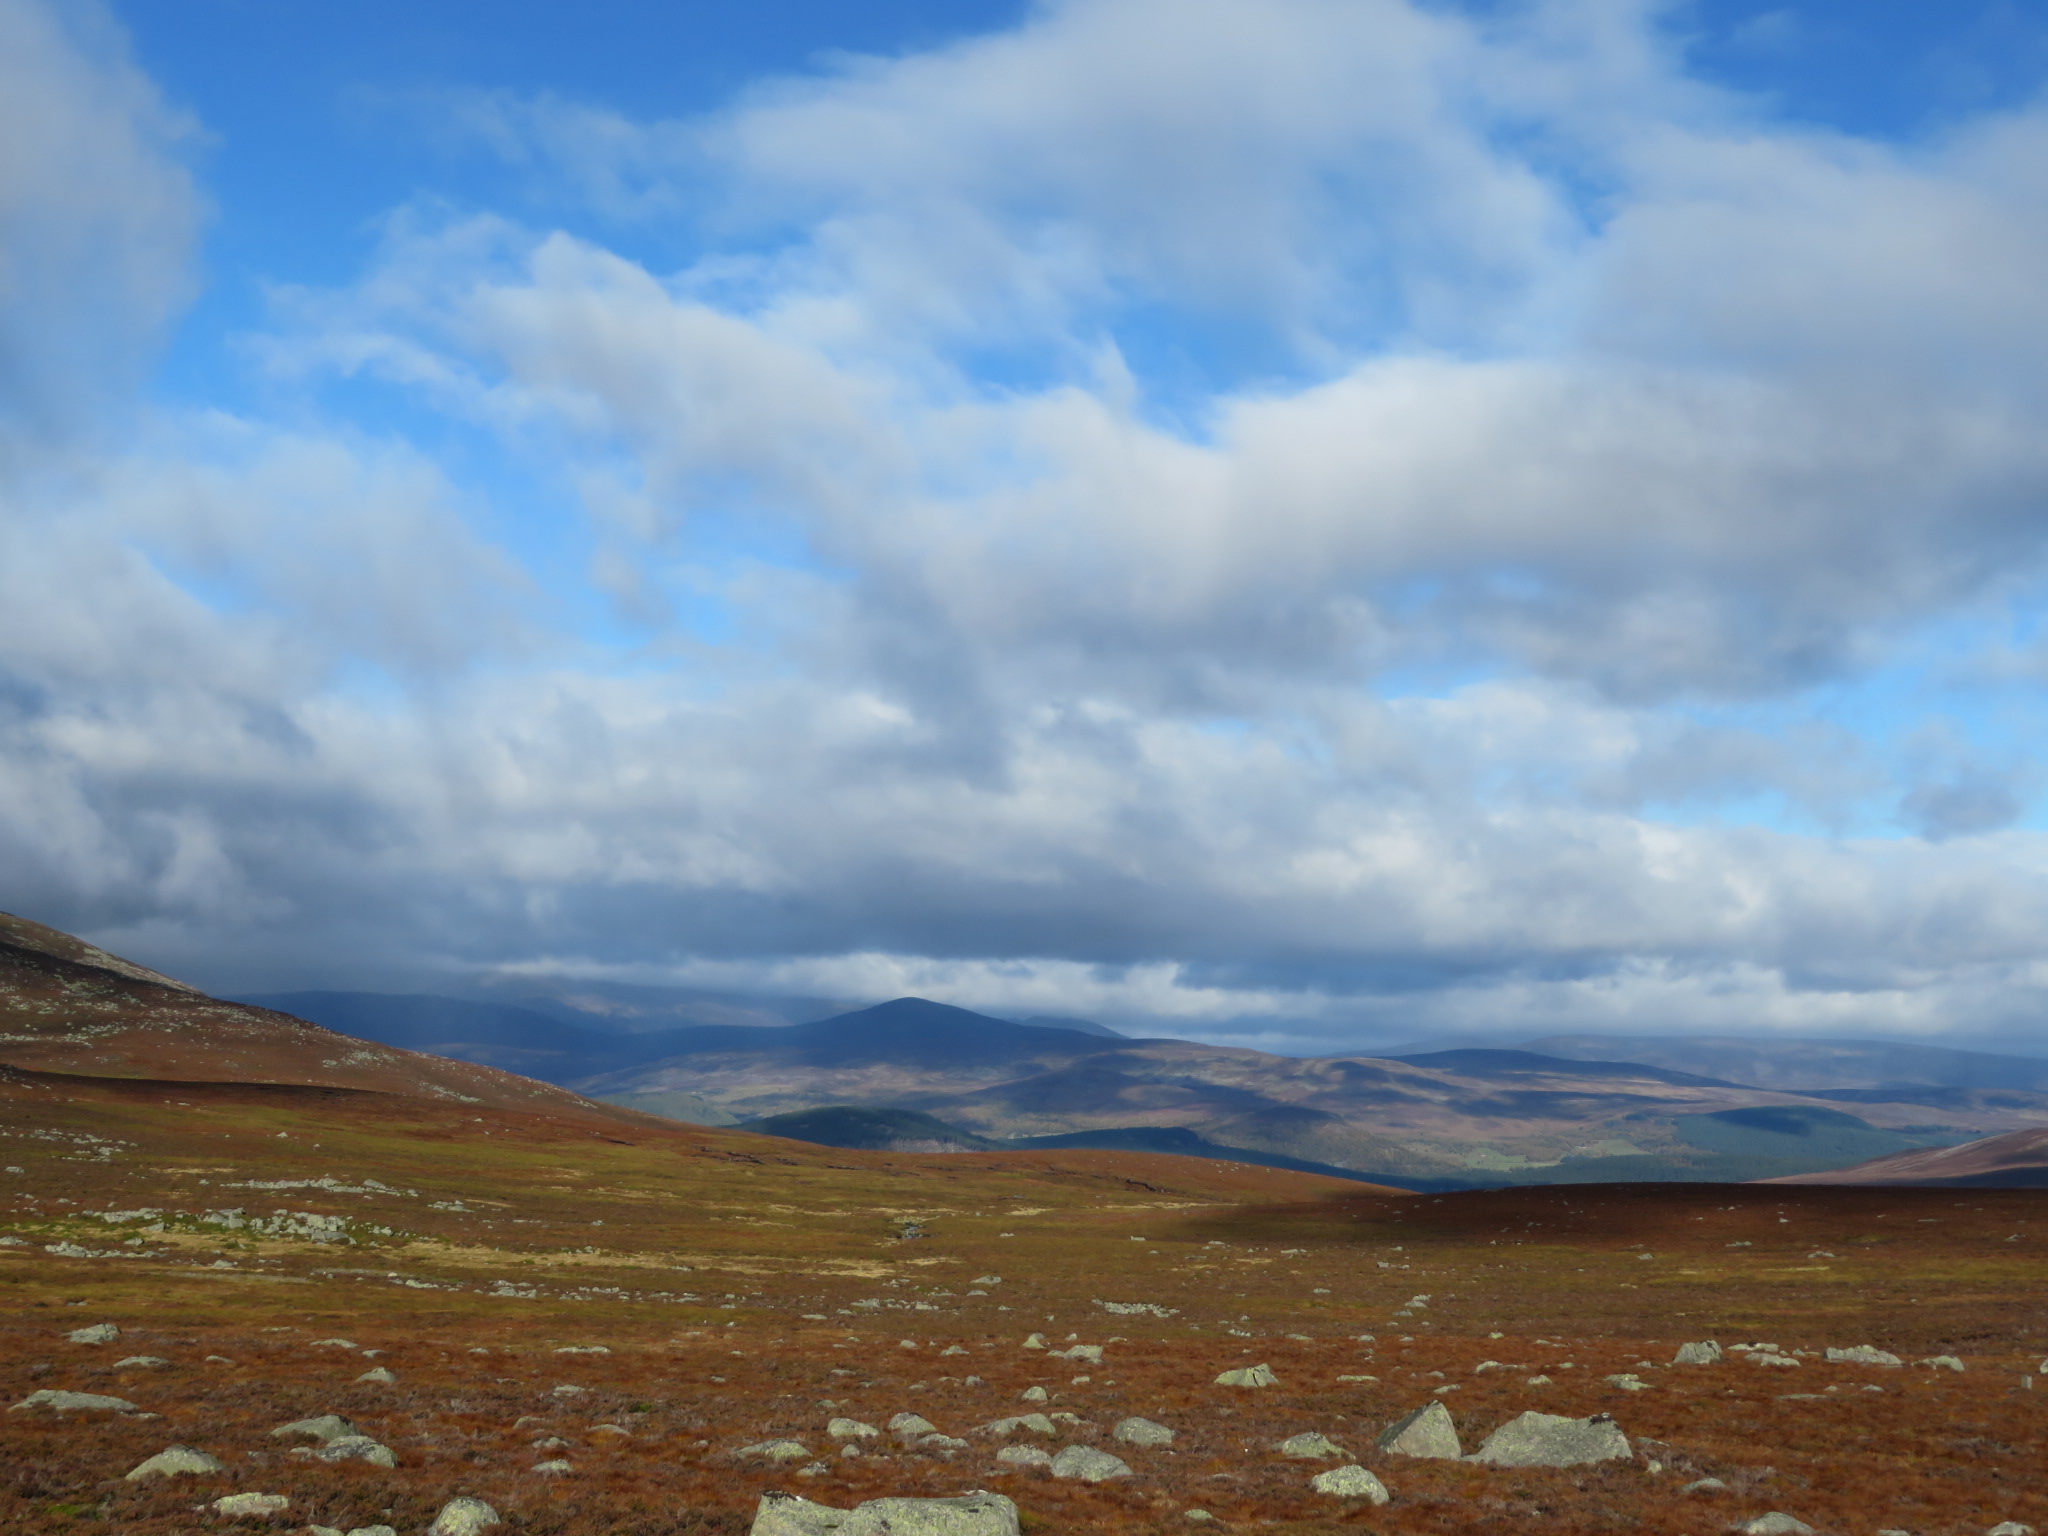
<point>612,1331</point>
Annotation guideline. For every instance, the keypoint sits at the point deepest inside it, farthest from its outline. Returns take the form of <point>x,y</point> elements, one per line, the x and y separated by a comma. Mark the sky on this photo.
<point>1288,522</point>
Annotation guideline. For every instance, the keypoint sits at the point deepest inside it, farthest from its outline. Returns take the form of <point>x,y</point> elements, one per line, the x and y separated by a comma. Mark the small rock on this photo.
<point>1628,1381</point>
<point>98,1333</point>
<point>973,1514</point>
<point>379,1376</point>
<point>939,1443</point>
<point>1197,1515</point>
<point>329,1426</point>
<point>1035,1341</point>
<point>1310,1445</point>
<point>1705,1485</point>
<point>1775,1524</point>
<point>1352,1482</point>
<point>1088,1465</point>
<point>1037,1423</point>
<point>851,1429</point>
<point>775,1450</point>
<point>354,1448</point>
<point>1135,1431</point>
<point>1032,1395</point>
<point>1548,1440</point>
<point>908,1426</point>
<point>1941,1363</point>
<point>1768,1357</point>
<point>1023,1456</point>
<point>1089,1352</point>
<point>1249,1376</point>
<point>332,1344</point>
<point>1537,1381</point>
<point>140,1363</point>
<point>252,1505</point>
<point>176,1461</point>
<point>1427,1432</point>
<point>1862,1354</point>
<point>2010,1528</point>
<point>463,1517</point>
<point>552,1468</point>
<point>73,1402</point>
<point>952,1349</point>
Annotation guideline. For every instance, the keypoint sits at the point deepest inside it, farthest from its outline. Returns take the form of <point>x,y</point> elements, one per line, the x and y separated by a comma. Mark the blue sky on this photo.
<point>1299,521</point>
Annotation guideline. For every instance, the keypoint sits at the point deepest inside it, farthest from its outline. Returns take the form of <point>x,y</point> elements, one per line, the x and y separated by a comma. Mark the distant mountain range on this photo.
<point>1437,1118</point>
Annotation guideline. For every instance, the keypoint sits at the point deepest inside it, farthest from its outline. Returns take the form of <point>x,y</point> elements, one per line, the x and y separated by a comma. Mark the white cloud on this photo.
<point>1051,683</point>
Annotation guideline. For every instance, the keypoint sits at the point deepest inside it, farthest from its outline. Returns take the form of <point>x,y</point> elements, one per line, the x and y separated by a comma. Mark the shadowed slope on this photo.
<point>2016,1160</point>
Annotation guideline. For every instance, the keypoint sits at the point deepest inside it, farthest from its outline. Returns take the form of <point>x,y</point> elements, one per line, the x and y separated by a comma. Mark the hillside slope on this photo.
<point>68,1008</point>
<point>2016,1160</point>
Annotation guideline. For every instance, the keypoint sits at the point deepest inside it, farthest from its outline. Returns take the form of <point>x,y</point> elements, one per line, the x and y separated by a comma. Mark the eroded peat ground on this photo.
<point>745,1290</point>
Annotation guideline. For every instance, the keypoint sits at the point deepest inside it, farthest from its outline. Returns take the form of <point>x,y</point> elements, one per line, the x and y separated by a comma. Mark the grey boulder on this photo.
<point>1775,1524</point>
<point>1260,1375</point>
<point>98,1333</point>
<point>176,1461</point>
<point>1310,1445</point>
<point>1023,1456</point>
<point>1863,1354</point>
<point>73,1402</point>
<point>972,1514</point>
<point>463,1517</point>
<point>1136,1431</point>
<point>1704,1352</point>
<point>1548,1440</point>
<point>329,1426</point>
<point>1427,1432</point>
<point>1086,1464</point>
<point>1352,1482</point>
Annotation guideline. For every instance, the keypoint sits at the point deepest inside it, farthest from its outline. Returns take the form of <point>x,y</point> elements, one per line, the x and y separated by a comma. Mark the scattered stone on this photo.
<point>1862,1354</point>
<point>1358,1378</point>
<point>176,1461</point>
<point>936,1442</point>
<point>252,1505</point>
<point>1088,1464</point>
<point>1705,1485</point>
<point>952,1349</point>
<point>1135,1431</point>
<point>1037,1423</point>
<point>851,1429</point>
<point>1197,1514</point>
<point>353,1448</point>
<point>1775,1524</point>
<point>1352,1482</point>
<point>775,1450</point>
<point>556,1468</point>
<point>332,1344</point>
<point>379,1376</point>
<point>140,1363</point>
<point>463,1517</point>
<point>1537,1381</point>
<point>583,1349</point>
<point>1427,1432</point>
<point>1310,1445</point>
<point>1089,1352</point>
<point>1032,1395</point>
<point>1628,1381</point>
<point>73,1402</point>
<point>1249,1376</point>
<point>1703,1352</point>
<point>1941,1363</point>
<point>329,1426</point>
<point>1023,1456</point>
<point>1548,1440</point>
<point>98,1333</point>
<point>2010,1528</point>
<point>908,1426</point>
<point>1768,1357</point>
<point>973,1514</point>
<point>1035,1341</point>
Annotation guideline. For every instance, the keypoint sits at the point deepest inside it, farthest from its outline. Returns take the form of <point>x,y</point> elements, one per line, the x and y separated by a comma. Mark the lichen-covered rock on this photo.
<point>1702,1352</point>
<point>1136,1431</point>
<point>851,1429</point>
<point>1427,1432</point>
<point>1260,1375</point>
<point>1548,1440</point>
<point>1862,1354</point>
<point>555,1468</point>
<point>775,1450</point>
<point>98,1333</point>
<point>1352,1482</point>
<point>463,1517</point>
<point>1086,1464</point>
<point>251,1506</point>
<point>140,1363</point>
<point>73,1402</point>
<point>175,1461</point>
<point>908,1426</point>
<point>378,1376</point>
<point>1775,1524</point>
<point>973,1514</point>
<point>1310,1445</point>
<point>1023,1456</point>
<point>1037,1423</point>
<point>1941,1363</point>
<point>353,1448</point>
<point>1032,1395</point>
